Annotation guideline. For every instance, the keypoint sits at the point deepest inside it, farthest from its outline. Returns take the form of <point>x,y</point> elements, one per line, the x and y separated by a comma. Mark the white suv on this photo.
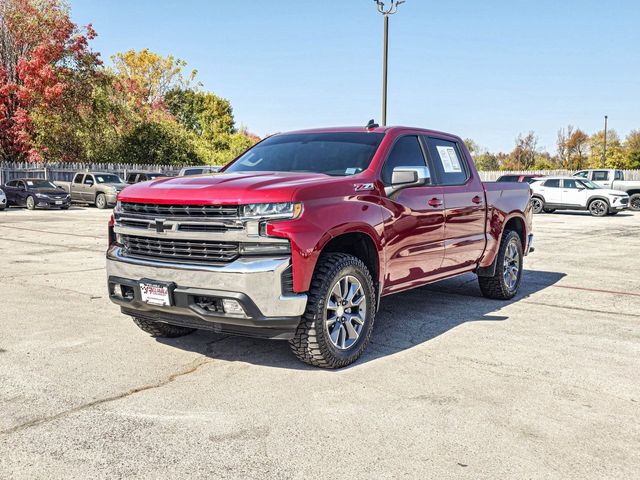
<point>570,193</point>
<point>3,200</point>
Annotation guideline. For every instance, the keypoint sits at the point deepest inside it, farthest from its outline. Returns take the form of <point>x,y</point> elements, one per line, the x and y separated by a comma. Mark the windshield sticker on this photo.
<point>449,159</point>
<point>350,171</point>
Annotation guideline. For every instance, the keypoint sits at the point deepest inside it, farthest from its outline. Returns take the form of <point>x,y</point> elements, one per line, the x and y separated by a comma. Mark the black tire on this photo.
<point>598,208</point>
<point>537,204</point>
<point>614,212</point>
<point>548,210</point>
<point>158,329</point>
<point>101,201</point>
<point>634,202</point>
<point>64,208</point>
<point>496,286</point>
<point>312,343</point>
<point>30,202</point>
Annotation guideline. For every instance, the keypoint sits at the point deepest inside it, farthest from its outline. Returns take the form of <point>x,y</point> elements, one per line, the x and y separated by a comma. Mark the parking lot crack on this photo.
<point>187,370</point>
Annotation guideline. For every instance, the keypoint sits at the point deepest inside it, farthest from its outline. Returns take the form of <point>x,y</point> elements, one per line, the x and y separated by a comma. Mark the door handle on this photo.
<point>435,202</point>
<point>477,200</point>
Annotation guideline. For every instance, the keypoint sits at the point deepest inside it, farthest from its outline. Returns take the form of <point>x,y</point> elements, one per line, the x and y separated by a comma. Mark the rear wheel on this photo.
<point>505,282</point>
<point>31,203</point>
<point>338,321</point>
<point>101,201</point>
<point>598,208</point>
<point>157,329</point>
<point>634,201</point>
<point>537,205</point>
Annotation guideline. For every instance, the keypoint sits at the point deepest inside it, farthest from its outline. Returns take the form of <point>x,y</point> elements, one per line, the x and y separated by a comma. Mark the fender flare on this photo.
<point>490,270</point>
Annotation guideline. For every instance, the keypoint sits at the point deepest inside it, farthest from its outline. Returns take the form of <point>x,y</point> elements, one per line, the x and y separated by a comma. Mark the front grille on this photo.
<point>180,251</point>
<point>200,227</point>
<point>191,211</point>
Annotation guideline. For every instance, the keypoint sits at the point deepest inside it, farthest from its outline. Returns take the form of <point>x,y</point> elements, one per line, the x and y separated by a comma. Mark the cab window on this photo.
<point>600,175</point>
<point>88,180</point>
<point>450,166</point>
<point>78,178</point>
<point>583,174</point>
<point>406,152</point>
<point>554,183</point>
<point>619,175</point>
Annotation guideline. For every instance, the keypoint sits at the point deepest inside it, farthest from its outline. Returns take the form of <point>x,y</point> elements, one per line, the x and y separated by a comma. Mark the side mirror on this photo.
<point>405,177</point>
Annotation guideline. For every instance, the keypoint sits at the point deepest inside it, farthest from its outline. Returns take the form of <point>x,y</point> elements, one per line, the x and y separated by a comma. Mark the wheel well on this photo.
<point>361,246</point>
<point>632,192</point>
<point>593,199</point>
<point>517,225</point>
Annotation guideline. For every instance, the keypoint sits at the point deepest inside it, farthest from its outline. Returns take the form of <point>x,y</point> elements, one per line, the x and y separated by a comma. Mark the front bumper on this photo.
<point>255,283</point>
<point>53,202</point>
<point>112,198</point>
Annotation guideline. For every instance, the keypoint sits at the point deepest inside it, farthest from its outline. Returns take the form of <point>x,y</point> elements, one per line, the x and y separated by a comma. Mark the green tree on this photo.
<point>615,157</point>
<point>632,149</point>
<point>487,161</point>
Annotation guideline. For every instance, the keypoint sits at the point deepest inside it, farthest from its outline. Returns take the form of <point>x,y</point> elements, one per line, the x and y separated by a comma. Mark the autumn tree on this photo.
<point>523,156</point>
<point>40,51</point>
<point>615,157</point>
<point>632,149</point>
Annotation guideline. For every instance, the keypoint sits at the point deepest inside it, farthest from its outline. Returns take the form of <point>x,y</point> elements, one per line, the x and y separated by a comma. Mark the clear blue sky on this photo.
<point>488,70</point>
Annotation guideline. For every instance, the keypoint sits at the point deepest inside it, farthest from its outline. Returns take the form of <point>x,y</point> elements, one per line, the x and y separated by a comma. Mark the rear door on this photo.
<point>464,204</point>
<point>10,190</point>
<point>602,177</point>
<point>75,187</point>
<point>88,188</point>
<point>551,190</point>
<point>414,229</point>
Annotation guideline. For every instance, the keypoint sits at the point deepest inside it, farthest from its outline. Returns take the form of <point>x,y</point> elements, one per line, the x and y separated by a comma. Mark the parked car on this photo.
<point>94,188</point>
<point>3,200</point>
<point>300,236</point>
<point>35,192</point>
<point>614,179</point>
<point>518,178</point>
<point>572,193</point>
<point>137,177</point>
<point>200,170</point>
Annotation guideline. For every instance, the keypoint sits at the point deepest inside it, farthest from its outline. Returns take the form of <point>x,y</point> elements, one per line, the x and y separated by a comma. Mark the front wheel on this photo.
<point>504,283</point>
<point>337,324</point>
<point>634,202</point>
<point>598,208</point>
<point>101,201</point>
<point>31,203</point>
<point>537,205</point>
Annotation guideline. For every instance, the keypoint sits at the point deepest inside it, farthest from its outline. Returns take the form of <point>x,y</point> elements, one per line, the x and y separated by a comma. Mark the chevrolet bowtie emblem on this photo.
<point>160,225</point>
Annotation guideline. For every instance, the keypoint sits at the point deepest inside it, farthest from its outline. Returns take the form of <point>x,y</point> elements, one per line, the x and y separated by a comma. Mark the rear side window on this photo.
<point>406,152</point>
<point>555,183</point>
<point>78,178</point>
<point>600,175</point>
<point>619,175</point>
<point>449,164</point>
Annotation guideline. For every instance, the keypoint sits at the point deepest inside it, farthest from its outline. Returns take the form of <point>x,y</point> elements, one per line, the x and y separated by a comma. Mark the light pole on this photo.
<point>386,11</point>
<point>604,150</point>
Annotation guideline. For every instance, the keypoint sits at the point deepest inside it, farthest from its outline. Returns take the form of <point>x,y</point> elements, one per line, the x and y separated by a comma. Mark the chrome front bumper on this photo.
<point>254,282</point>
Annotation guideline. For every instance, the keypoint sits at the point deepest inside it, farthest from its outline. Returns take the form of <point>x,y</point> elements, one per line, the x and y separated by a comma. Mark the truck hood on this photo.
<point>223,188</point>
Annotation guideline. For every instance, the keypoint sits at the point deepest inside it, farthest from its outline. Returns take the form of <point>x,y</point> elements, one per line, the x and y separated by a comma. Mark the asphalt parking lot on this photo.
<point>452,386</point>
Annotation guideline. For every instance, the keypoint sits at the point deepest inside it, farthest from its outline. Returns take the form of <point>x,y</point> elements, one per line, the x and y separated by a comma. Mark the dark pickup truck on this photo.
<point>300,236</point>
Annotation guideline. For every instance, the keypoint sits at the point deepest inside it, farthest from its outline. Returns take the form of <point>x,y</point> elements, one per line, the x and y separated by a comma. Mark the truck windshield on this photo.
<point>108,179</point>
<point>335,154</point>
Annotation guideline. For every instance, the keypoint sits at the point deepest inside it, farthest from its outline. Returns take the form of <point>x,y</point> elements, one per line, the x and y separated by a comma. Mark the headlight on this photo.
<point>118,208</point>
<point>272,210</point>
<point>41,195</point>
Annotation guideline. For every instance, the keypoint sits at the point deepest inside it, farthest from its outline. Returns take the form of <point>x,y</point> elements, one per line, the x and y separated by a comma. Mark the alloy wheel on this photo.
<point>511,269</point>
<point>345,312</point>
<point>598,208</point>
<point>537,205</point>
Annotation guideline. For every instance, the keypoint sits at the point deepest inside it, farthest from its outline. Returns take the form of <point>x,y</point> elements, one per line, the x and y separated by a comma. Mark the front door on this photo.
<point>464,203</point>
<point>414,223</point>
<point>574,194</point>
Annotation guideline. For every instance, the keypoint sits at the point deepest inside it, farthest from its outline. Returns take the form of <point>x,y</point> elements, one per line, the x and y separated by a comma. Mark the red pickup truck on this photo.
<point>299,237</point>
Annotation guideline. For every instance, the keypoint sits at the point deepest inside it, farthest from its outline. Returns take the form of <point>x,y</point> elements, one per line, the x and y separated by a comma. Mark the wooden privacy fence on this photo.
<point>65,171</point>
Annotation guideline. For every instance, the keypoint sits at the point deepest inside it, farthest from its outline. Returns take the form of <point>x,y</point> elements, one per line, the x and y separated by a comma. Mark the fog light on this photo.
<point>232,306</point>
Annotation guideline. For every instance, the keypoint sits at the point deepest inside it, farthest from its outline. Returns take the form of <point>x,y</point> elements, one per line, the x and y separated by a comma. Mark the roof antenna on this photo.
<point>372,124</point>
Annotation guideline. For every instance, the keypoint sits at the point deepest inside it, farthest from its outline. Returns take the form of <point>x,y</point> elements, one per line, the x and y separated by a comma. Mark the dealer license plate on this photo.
<point>155,293</point>
<point>58,202</point>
